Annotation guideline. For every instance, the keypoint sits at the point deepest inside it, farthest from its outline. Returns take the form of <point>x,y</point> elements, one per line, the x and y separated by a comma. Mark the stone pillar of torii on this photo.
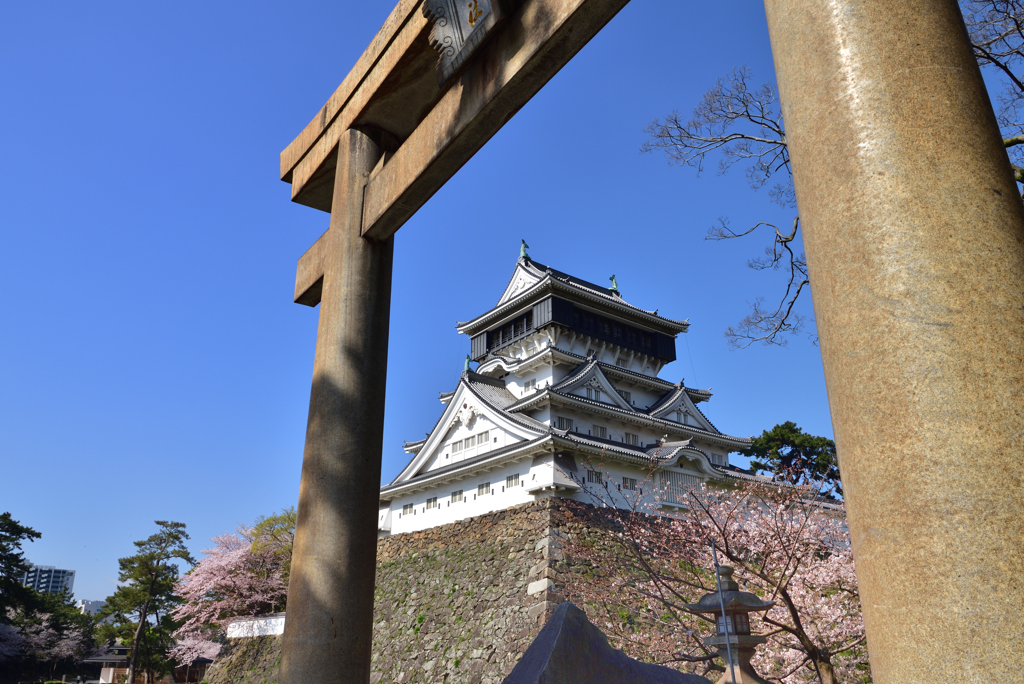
<point>914,233</point>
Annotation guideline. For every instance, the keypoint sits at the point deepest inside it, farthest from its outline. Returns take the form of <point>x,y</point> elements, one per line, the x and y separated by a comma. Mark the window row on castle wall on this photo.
<point>459,495</point>
<point>585,321</point>
<point>511,331</point>
<point>597,477</point>
<point>596,394</point>
<point>673,487</point>
<point>470,442</point>
<point>599,431</point>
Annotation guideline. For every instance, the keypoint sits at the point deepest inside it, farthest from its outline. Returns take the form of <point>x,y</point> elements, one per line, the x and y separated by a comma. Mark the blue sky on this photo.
<point>154,366</point>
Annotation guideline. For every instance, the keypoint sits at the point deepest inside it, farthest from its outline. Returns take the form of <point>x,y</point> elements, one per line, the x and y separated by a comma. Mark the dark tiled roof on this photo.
<point>573,283</point>
<point>575,374</point>
<point>494,393</point>
<point>579,282</point>
<point>444,470</point>
<point>548,392</point>
<point>666,399</point>
<point>647,455</point>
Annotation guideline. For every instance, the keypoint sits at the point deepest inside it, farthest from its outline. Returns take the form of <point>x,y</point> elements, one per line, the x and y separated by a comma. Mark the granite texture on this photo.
<point>914,232</point>
<point>457,603</point>
<point>330,590</point>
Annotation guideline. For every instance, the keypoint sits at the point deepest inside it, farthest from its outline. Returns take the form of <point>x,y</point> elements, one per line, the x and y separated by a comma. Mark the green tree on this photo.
<point>13,565</point>
<point>791,455</point>
<point>140,608</point>
<point>276,534</point>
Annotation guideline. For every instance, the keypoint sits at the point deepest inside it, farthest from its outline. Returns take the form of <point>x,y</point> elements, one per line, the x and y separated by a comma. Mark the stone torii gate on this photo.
<point>914,233</point>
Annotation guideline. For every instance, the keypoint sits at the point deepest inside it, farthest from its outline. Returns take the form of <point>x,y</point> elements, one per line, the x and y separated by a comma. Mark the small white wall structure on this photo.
<point>257,626</point>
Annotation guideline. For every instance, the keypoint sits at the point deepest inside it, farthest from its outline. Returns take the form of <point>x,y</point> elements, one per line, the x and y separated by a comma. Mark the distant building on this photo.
<point>49,579</point>
<point>566,397</point>
<point>89,607</point>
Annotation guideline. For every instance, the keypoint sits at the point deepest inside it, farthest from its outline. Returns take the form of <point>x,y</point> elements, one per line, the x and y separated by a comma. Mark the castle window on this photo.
<point>563,423</point>
<point>456,446</point>
<point>630,438</point>
<point>483,437</point>
<point>594,477</point>
<point>485,488</point>
<point>530,385</point>
<point>675,485</point>
<point>512,481</point>
<point>432,502</point>
<point>601,431</point>
<point>621,362</point>
<point>457,496</point>
<point>594,394</point>
<point>629,483</point>
<point>407,509</point>
<point>628,396</point>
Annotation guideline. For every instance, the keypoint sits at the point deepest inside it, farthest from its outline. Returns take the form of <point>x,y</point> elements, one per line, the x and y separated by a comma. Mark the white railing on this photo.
<point>674,487</point>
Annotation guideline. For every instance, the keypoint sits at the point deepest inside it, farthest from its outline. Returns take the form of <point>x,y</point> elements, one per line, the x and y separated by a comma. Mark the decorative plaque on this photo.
<point>460,27</point>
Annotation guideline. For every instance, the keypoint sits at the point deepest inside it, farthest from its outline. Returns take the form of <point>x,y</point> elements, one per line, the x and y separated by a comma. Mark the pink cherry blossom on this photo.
<point>235,578</point>
<point>634,572</point>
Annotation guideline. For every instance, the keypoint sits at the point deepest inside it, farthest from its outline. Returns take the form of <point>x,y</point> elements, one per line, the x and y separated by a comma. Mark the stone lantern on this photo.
<point>733,639</point>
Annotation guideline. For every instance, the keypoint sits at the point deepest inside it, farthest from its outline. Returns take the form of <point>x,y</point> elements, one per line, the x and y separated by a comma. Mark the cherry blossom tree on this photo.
<point>12,643</point>
<point>634,572</point>
<point>242,574</point>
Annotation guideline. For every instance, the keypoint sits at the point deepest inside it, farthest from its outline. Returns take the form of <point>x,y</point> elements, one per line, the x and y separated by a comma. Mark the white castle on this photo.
<point>565,400</point>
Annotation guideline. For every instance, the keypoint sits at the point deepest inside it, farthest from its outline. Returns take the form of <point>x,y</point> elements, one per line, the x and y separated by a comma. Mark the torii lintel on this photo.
<point>435,129</point>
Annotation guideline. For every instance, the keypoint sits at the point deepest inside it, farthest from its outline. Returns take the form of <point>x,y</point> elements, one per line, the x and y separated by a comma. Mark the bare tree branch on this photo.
<point>769,326</point>
<point>738,124</point>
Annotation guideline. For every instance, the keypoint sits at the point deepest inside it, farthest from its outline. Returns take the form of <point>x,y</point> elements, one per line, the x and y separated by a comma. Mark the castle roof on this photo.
<point>531,280</point>
<point>512,364</point>
<point>489,396</point>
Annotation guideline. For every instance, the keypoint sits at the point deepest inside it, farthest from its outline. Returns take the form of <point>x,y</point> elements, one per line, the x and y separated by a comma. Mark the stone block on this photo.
<point>541,609</point>
<point>539,586</point>
<point>570,650</point>
<point>539,568</point>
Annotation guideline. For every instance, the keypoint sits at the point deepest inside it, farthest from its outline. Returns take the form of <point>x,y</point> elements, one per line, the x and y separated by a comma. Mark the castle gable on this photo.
<point>588,381</point>
<point>473,423</point>
<point>677,406</point>
<point>523,278</point>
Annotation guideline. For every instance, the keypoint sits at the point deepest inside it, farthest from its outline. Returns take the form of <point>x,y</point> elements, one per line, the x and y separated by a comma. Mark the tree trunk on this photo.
<point>143,614</point>
<point>826,672</point>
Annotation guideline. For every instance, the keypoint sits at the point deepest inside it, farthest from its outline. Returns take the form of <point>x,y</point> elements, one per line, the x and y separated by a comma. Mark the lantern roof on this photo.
<point>736,601</point>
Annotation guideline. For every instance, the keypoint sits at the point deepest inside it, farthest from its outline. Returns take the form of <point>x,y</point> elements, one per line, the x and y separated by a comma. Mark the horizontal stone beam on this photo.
<point>309,275</point>
<point>393,88</point>
<point>309,157</point>
<point>533,45</point>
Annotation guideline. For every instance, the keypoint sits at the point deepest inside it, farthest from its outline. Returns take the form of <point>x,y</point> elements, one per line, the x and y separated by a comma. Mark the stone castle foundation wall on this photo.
<point>456,603</point>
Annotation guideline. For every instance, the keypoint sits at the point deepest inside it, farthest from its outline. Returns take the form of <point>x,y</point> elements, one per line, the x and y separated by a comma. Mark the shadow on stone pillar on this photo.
<point>570,650</point>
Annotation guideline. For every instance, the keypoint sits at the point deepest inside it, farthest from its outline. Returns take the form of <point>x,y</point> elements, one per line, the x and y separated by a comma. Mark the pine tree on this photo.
<point>13,566</point>
<point>140,608</point>
<point>791,455</point>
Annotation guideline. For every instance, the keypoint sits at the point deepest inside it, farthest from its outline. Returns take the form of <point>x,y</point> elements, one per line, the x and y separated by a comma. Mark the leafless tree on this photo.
<point>735,123</point>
